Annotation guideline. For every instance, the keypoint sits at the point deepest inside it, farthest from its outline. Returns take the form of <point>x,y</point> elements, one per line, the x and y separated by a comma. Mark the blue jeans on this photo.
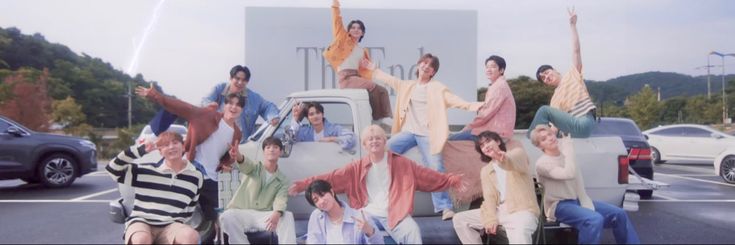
<point>590,223</point>
<point>578,127</point>
<point>406,232</point>
<point>463,135</point>
<point>402,142</point>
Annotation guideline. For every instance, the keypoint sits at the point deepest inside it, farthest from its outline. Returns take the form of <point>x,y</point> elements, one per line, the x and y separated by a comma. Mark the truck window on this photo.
<point>335,112</point>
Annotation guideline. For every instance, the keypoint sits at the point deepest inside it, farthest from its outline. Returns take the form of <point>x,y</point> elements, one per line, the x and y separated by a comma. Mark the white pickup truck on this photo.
<point>603,160</point>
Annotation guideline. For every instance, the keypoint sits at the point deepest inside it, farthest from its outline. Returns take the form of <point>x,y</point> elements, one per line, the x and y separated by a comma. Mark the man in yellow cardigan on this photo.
<point>421,117</point>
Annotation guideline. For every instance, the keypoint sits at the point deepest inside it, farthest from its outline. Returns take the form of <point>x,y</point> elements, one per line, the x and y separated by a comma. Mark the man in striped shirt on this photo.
<point>165,195</point>
<point>571,109</point>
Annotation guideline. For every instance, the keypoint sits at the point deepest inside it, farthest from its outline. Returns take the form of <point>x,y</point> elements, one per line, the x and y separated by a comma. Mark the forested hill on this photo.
<point>92,83</point>
<point>671,84</point>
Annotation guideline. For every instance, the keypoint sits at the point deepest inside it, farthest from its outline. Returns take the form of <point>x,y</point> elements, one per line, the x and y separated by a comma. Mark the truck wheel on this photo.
<point>57,170</point>
<point>727,169</point>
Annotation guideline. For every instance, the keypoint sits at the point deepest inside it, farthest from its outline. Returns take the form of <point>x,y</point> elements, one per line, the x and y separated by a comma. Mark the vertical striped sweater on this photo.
<point>161,195</point>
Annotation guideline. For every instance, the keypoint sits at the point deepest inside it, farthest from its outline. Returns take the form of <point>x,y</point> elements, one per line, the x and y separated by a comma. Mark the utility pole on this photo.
<point>130,105</point>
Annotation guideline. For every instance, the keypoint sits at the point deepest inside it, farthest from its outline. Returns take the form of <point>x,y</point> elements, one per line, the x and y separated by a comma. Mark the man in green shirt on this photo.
<point>260,202</point>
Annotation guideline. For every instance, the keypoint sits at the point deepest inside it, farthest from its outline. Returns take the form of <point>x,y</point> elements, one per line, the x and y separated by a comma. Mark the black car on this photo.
<point>639,152</point>
<point>54,160</point>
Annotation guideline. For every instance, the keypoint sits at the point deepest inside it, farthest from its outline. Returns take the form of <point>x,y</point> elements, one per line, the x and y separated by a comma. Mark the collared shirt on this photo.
<point>499,111</point>
<point>255,106</point>
<point>317,231</point>
<point>258,192</point>
<point>162,196</point>
<point>571,95</point>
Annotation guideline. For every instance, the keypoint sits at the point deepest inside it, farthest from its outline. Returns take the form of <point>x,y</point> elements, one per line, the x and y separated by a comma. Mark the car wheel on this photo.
<point>57,170</point>
<point>656,155</point>
<point>645,194</point>
<point>727,169</point>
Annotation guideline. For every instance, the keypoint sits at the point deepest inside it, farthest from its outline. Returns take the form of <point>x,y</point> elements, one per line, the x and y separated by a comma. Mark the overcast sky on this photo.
<point>193,44</point>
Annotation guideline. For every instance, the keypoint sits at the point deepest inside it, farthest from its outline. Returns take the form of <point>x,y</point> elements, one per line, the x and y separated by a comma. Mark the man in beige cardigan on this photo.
<point>419,102</point>
<point>507,188</point>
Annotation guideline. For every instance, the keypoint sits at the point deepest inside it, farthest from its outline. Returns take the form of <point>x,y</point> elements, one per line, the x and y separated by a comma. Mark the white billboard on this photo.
<point>283,48</point>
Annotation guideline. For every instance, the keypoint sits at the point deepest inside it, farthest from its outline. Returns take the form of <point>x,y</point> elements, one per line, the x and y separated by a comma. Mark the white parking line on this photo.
<point>694,179</point>
<point>696,201</point>
<point>55,201</point>
<point>698,175</point>
<point>98,173</point>
<point>94,195</point>
<point>656,194</point>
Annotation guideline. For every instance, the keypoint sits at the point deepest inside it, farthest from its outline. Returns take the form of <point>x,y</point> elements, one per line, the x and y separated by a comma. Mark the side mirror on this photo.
<point>645,136</point>
<point>13,130</point>
<point>287,140</point>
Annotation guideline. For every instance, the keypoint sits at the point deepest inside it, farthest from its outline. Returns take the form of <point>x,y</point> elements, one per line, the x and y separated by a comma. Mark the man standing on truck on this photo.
<point>565,199</point>
<point>499,112</point>
<point>382,185</point>
<point>165,196</point>
<point>255,105</point>
<point>419,102</point>
<point>571,109</point>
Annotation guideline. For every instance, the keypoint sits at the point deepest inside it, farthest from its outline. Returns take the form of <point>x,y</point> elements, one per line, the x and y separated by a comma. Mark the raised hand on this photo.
<point>235,152</point>
<point>572,16</point>
<point>364,225</point>
<point>367,64</point>
<point>143,91</point>
<point>335,3</point>
<point>150,145</point>
<point>455,180</point>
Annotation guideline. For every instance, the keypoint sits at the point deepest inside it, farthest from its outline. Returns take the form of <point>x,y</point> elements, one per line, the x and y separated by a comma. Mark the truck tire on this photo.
<point>57,170</point>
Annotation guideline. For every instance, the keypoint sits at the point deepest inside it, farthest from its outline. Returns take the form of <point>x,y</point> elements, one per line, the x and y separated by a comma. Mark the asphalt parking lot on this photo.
<point>697,207</point>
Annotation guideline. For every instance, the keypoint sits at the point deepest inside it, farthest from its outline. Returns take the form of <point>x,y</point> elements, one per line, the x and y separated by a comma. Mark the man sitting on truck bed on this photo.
<point>565,198</point>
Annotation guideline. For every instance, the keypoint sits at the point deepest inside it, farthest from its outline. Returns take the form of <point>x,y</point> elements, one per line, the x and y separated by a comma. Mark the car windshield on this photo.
<point>616,128</point>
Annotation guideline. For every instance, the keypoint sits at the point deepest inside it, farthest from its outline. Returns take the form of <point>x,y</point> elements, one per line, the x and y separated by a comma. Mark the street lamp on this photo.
<point>709,86</point>
<point>724,101</point>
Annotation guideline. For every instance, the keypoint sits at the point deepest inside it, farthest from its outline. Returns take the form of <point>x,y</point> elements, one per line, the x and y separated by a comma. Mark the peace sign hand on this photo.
<point>572,16</point>
<point>363,225</point>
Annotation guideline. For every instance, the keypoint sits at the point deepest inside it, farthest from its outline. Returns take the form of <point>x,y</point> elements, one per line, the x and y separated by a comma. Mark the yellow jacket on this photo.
<point>439,100</point>
<point>519,190</point>
<point>342,45</point>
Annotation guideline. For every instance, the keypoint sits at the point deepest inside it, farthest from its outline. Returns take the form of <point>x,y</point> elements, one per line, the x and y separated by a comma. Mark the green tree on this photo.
<point>69,114</point>
<point>529,95</point>
<point>700,110</point>
<point>644,108</point>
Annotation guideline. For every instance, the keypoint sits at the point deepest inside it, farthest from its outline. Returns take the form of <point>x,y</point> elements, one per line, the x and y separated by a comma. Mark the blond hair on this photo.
<point>536,133</point>
<point>372,130</point>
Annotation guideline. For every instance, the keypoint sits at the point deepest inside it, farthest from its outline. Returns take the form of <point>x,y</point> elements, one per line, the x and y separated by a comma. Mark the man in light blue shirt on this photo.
<point>334,222</point>
<point>255,105</point>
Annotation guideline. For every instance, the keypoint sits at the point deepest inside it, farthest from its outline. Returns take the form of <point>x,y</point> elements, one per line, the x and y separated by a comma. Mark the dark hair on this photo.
<point>316,106</point>
<point>362,27</point>
<point>433,62</point>
<point>499,61</point>
<point>486,136</point>
<point>319,187</point>
<point>239,68</point>
<point>272,141</point>
<point>540,70</point>
<point>240,99</point>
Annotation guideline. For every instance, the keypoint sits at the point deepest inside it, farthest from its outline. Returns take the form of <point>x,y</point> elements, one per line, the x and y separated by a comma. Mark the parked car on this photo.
<point>688,143</point>
<point>639,152</point>
<point>725,165</point>
<point>147,133</point>
<point>54,160</point>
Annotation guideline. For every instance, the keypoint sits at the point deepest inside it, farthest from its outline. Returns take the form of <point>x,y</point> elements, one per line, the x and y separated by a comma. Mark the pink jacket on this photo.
<point>406,177</point>
<point>498,114</point>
